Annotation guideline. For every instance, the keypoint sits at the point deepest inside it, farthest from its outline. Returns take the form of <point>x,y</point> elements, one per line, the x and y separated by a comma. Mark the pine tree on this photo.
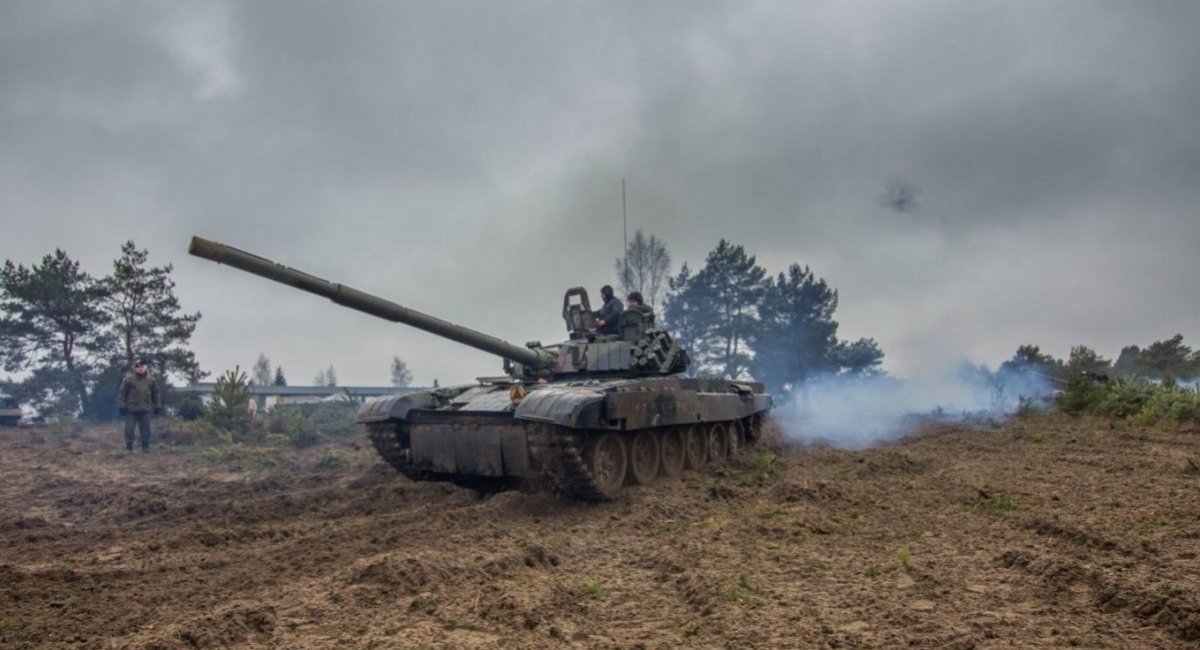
<point>796,339</point>
<point>53,326</point>
<point>146,316</point>
<point>727,292</point>
<point>280,380</point>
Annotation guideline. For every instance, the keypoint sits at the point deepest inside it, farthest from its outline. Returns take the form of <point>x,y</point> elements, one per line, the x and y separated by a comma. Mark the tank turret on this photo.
<point>638,350</point>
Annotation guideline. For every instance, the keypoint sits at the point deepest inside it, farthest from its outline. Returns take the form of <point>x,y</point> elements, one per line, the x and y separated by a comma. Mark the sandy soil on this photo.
<point>1045,532</point>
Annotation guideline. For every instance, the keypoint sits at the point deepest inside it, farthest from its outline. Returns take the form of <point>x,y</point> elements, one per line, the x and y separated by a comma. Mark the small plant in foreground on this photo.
<point>996,502</point>
<point>742,593</point>
<point>760,471</point>
<point>333,460</point>
<point>1192,466</point>
<point>595,589</point>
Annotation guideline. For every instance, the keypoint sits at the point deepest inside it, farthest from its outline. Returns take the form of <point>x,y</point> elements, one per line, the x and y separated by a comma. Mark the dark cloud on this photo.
<point>466,159</point>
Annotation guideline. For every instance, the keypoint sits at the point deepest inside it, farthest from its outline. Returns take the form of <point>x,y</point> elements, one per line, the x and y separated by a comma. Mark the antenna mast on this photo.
<point>625,231</point>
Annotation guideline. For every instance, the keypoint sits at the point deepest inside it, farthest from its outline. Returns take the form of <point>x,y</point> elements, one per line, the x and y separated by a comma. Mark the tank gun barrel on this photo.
<point>361,301</point>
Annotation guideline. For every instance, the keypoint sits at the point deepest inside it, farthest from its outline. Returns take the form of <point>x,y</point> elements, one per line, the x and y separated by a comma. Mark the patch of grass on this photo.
<point>594,589</point>
<point>996,502</point>
<point>7,623</point>
<point>875,570</point>
<point>691,629</point>
<point>332,460</point>
<point>722,492</point>
<point>1192,466</point>
<point>742,593</point>
<point>714,523</point>
<point>903,557</point>
<point>760,471</point>
<point>1037,437</point>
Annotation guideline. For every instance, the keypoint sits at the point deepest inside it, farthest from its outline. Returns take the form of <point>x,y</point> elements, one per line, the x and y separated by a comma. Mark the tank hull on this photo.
<point>476,435</point>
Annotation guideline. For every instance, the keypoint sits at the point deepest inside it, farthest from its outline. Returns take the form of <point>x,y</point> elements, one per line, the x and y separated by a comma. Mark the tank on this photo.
<point>583,417</point>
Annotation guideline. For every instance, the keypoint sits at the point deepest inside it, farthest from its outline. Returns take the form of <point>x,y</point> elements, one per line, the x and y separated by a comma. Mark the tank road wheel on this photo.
<point>672,449</point>
<point>718,442</point>
<point>606,461</point>
<point>643,458</point>
<point>752,426</point>
<point>737,437</point>
<point>695,447</point>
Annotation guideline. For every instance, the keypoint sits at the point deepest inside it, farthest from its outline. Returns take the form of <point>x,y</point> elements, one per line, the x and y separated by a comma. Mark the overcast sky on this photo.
<point>465,159</point>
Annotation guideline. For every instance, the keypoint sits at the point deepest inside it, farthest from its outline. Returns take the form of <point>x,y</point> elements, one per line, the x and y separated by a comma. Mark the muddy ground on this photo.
<point>1044,532</point>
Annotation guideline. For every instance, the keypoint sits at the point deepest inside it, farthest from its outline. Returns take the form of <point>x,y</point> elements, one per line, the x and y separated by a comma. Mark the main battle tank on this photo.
<point>583,417</point>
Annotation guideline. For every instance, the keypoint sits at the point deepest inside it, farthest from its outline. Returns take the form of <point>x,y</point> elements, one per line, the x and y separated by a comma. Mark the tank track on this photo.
<point>556,456</point>
<point>557,452</point>
<point>385,436</point>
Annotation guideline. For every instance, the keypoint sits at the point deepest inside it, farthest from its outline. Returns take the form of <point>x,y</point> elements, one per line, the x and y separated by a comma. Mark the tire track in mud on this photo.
<point>1109,571</point>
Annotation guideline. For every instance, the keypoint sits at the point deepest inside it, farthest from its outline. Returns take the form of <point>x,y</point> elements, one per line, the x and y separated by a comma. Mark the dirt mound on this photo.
<point>1043,532</point>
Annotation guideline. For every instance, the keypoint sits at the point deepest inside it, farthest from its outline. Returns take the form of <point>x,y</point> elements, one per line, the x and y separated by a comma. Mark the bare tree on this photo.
<point>326,377</point>
<point>260,375</point>
<point>645,268</point>
<point>401,375</point>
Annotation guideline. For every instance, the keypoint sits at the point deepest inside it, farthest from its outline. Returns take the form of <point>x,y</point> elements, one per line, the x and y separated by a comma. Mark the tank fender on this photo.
<point>396,407</point>
<point>572,407</point>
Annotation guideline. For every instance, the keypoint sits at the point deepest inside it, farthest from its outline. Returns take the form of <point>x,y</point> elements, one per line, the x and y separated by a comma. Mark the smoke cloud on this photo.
<point>858,412</point>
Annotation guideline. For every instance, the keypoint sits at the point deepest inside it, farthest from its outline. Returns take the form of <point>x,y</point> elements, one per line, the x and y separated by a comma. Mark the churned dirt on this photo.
<point>1043,532</point>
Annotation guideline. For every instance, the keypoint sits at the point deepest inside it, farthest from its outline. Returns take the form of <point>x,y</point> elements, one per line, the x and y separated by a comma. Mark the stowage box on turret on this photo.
<point>583,417</point>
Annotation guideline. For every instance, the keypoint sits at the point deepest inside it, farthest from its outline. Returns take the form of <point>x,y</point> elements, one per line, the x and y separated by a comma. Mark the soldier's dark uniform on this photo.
<point>609,312</point>
<point>137,398</point>
<point>647,313</point>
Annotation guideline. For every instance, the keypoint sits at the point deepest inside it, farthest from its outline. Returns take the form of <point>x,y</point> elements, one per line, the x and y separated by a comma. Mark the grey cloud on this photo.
<point>466,158</point>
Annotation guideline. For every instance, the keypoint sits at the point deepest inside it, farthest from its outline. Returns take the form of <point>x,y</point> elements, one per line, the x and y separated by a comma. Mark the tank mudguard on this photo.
<point>566,406</point>
<point>393,407</point>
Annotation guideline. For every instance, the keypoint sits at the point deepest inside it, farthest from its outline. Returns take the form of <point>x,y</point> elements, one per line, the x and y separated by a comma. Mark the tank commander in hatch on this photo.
<point>608,317</point>
<point>635,302</point>
<point>137,398</point>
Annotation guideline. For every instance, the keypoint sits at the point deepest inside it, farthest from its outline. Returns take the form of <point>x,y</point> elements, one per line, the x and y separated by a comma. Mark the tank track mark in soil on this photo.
<point>1175,612</point>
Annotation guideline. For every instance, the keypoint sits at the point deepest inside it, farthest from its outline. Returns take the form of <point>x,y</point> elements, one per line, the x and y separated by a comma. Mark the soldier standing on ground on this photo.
<point>137,398</point>
<point>608,317</point>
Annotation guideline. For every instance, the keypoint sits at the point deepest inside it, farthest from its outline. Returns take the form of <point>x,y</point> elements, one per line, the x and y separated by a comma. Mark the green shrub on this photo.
<point>229,408</point>
<point>1170,404</point>
<point>194,432</point>
<point>190,408</point>
<point>1124,398</point>
<point>335,417</point>
<point>1082,395</point>
<point>291,423</point>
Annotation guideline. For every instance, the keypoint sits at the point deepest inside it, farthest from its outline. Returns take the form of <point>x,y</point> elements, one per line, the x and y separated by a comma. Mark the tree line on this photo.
<point>740,322</point>
<point>1148,385</point>
<point>73,335</point>
<point>70,336</point>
